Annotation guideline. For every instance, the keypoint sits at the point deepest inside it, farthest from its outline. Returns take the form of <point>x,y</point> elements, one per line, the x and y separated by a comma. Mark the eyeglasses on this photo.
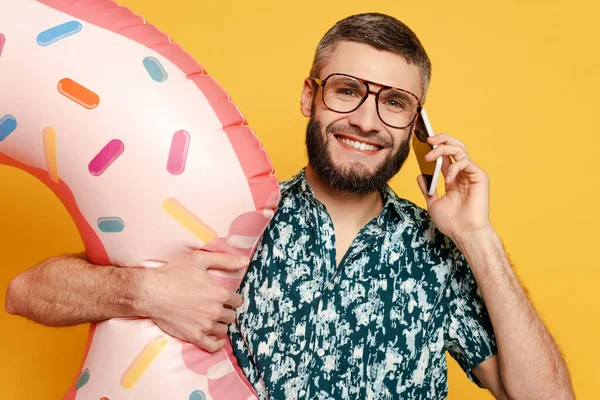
<point>343,93</point>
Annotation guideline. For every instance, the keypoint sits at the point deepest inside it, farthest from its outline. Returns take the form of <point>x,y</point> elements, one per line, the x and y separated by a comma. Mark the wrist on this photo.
<point>141,289</point>
<point>466,241</point>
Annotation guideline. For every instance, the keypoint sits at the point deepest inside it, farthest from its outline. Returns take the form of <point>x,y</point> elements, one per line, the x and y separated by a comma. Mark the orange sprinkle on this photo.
<point>78,93</point>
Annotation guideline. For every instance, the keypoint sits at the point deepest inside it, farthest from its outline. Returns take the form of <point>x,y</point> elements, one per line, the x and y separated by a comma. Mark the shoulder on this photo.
<point>295,180</point>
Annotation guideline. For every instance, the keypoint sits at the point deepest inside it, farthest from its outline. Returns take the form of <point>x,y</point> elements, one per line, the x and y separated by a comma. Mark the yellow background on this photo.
<point>516,80</point>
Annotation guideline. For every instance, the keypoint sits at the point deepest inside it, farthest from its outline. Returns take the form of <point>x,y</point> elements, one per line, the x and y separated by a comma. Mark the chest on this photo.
<point>368,326</point>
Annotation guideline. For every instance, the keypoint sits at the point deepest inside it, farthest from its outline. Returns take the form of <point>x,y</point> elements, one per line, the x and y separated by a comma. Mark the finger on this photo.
<point>223,261</point>
<point>446,163</point>
<point>228,316</point>
<point>455,169</point>
<point>469,167</point>
<point>455,152</point>
<point>423,186</point>
<point>219,330</point>
<point>232,299</point>
<point>209,344</point>
<point>444,138</point>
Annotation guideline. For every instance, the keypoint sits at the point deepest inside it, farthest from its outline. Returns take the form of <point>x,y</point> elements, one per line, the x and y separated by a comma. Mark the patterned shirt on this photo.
<point>377,326</point>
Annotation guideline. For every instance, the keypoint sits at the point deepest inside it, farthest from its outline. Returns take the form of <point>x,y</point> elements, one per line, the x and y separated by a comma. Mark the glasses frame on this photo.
<point>323,82</point>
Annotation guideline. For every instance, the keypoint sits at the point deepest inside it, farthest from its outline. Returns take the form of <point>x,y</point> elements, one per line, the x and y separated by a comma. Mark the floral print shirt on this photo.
<point>377,326</point>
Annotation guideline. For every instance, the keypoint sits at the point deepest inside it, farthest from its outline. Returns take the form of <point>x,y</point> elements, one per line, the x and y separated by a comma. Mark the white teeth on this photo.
<point>358,145</point>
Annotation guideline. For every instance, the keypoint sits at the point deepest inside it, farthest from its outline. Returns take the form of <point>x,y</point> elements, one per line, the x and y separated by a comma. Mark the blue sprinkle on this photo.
<point>58,32</point>
<point>155,69</point>
<point>83,379</point>
<point>8,124</point>
<point>197,395</point>
<point>111,224</point>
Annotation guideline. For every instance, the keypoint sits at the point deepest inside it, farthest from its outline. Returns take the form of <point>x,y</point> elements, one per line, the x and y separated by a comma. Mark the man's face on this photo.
<point>332,137</point>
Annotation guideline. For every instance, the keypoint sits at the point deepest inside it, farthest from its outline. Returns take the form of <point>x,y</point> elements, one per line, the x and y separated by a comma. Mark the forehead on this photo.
<point>363,61</point>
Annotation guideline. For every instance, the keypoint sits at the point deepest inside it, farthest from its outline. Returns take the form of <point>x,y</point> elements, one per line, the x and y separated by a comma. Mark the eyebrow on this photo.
<point>398,94</point>
<point>351,82</point>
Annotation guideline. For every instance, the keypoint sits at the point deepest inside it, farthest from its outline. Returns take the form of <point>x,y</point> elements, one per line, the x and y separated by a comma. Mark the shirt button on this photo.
<point>321,352</point>
<point>330,286</point>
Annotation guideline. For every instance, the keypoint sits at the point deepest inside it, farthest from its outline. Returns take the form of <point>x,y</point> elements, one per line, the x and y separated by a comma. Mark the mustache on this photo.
<point>339,128</point>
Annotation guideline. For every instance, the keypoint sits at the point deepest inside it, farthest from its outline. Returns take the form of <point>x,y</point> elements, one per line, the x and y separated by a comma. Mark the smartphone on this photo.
<point>429,169</point>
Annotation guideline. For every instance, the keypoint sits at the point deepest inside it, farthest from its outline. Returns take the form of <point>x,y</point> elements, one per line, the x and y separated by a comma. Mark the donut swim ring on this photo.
<point>150,157</point>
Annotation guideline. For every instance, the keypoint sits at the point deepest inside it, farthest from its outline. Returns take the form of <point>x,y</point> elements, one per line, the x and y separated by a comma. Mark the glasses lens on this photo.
<point>397,108</point>
<point>343,93</point>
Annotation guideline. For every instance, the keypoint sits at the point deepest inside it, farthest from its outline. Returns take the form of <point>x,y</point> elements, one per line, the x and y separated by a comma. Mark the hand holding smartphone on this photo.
<point>429,169</point>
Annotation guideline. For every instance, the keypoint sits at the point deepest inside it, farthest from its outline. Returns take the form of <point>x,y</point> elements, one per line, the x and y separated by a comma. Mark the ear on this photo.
<point>308,95</point>
<point>418,129</point>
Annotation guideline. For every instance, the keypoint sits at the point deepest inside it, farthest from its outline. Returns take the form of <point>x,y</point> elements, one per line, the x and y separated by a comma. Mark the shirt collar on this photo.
<point>392,204</point>
<point>299,181</point>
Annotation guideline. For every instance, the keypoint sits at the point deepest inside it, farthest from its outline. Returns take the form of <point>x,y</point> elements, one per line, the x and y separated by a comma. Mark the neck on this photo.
<point>347,208</point>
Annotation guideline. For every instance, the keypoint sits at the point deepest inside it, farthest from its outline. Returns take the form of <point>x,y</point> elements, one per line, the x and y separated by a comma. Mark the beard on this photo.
<point>354,178</point>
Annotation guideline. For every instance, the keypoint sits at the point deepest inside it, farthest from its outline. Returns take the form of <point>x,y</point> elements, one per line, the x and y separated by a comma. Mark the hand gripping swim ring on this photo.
<point>150,157</point>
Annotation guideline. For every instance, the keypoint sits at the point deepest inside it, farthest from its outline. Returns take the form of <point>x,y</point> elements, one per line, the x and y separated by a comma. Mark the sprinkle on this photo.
<point>189,221</point>
<point>197,395</point>
<point>178,153</point>
<point>58,32</point>
<point>220,369</point>
<point>111,224</point>
<point>50,152</point>
<point>155,69</point>
<point>105,157</point>
<point>2,41</point>
<point>83,379</point>
<point>78,93</point>
<point>142,361</point>
<point>8,124</point>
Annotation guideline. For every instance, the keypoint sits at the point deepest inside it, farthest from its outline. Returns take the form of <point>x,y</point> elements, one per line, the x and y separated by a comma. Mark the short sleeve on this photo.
<point>469,335</point>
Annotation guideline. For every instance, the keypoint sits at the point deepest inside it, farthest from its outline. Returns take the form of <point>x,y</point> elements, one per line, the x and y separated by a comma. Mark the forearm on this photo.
<point>530,363</point>
<point>68,290</point>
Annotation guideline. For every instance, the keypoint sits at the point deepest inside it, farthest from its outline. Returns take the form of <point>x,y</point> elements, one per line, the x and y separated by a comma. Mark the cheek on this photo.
<point>399,138</point>
<point>325,116</point>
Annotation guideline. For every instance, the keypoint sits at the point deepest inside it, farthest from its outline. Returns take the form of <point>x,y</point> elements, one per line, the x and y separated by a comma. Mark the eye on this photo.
<point>395,104</point>
<point>346,92</point>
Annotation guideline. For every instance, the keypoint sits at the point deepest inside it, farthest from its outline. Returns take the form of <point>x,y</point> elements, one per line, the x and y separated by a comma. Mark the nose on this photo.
<point>365,117</point>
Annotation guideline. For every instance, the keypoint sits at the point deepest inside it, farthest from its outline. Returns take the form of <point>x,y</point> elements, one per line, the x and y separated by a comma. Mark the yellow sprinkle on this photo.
<point>50,150</point>
<point>142,361</point>
<point>189,221</point>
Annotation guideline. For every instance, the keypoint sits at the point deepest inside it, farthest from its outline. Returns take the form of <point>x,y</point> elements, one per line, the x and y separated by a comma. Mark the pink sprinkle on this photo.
<point>106,157</point>
<point>178,152</point>
<point>2,41</point>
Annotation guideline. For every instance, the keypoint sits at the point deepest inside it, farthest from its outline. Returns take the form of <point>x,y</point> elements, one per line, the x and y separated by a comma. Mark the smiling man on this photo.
<point>357,293</point>
<point>353,292</point>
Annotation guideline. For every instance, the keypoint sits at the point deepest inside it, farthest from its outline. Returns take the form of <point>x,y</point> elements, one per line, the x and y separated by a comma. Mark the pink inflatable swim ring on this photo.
<point>150,157</point>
